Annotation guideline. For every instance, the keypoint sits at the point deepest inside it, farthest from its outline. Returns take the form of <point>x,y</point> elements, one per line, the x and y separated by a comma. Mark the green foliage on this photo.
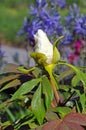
<point>11,21</point>
<point>38,105</point>
<point>78,2</point>
<point>32,95</point>
<point>25,88</point>
<point>47,91</point>
<point>39,96</point>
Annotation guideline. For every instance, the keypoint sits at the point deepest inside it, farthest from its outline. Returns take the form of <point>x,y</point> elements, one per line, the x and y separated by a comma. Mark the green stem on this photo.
<point>55,91</point>
<point>10,114</point>
<point>49,69</point>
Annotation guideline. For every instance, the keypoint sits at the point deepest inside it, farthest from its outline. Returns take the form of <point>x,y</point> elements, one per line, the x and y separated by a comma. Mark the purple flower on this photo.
<point>69,19</point>
<point>75,24</point>
<point>73,14</point>
<point>24,27</point>
<point>60,3</point>
<point>40,3</point>
<point>74,10</point>
<point>41,18</point>
<point>68,38</point>
<point>80,25</point>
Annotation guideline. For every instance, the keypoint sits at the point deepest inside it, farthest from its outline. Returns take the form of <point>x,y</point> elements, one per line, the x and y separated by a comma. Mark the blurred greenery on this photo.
<point>12,13</point>
<point>79,2</point>
<point>11,19</point>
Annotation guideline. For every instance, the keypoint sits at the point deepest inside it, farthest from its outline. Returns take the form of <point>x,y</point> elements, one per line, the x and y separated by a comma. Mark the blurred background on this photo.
<point>12,14</point>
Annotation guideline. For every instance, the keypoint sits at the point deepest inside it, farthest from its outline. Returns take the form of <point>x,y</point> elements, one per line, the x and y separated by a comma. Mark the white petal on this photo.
<point>43,45</point>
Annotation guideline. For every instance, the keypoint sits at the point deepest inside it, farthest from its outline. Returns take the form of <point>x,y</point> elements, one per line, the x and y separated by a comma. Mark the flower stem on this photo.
<point>55,91</point>
<point>49,68</point>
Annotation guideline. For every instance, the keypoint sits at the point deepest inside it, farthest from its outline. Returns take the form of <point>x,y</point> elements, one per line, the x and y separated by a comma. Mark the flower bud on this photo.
<point>44,46</point>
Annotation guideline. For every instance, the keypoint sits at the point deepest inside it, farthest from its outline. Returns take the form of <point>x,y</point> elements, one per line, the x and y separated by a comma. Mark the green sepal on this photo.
<point>25,70</point>
<point>56,54</point>
<point>39,58</point>
<point>57,41</point>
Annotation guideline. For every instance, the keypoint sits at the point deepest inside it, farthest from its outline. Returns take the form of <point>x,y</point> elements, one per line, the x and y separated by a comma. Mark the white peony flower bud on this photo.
<point>43,45</point>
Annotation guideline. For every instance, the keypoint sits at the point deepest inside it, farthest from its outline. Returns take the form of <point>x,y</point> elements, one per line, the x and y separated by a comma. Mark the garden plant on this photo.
<point>45,96</point>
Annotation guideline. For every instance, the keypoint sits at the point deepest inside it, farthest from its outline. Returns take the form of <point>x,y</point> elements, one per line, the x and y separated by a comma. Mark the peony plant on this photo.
<point>44,47</point>
<point>39,98</point>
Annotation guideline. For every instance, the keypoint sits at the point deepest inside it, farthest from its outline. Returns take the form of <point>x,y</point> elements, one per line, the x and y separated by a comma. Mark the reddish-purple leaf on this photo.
<point>11,68</point>
<point>8,78</point>
<point>72,126</point>
<point>77,118</point>
<point>52,125</point>
<point>72,121</point>
<point>63,126</point>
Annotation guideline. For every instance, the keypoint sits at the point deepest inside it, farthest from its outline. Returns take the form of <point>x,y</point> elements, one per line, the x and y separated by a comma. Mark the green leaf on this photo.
<point>8,78</point>
<point>75,80</point>
<point>62,111</point>
<point>38,106</point>
<point>5,124</point>
<point>81,76</point>
<point>64,74</point>
<point>47,91</point>
<point>50,115</point>
<point>25,88</point>
<point>27,120</point>
<point>5,104</point>
<point>36,72</point>
<point>11,84</point>
<point>33,125</point>
<point>82,98</point>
